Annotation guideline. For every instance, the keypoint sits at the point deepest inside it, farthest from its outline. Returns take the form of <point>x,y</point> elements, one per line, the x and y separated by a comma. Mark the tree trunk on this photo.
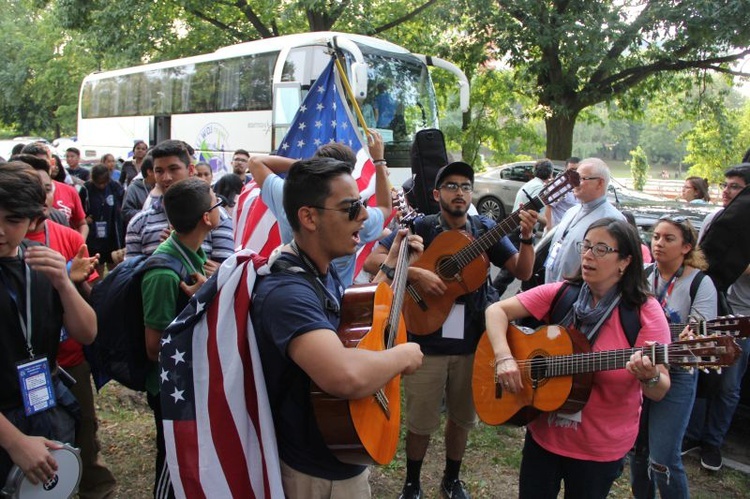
<point>560,136</point>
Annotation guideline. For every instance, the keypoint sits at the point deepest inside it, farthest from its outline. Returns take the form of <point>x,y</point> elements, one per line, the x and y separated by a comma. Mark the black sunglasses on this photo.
<point>352,210</point>
<point>220,202</point>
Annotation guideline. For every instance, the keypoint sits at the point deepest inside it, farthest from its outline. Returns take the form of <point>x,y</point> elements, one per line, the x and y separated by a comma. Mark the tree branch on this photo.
<point>224,27</point>
<point>251,16</point>
<point>408,16</point>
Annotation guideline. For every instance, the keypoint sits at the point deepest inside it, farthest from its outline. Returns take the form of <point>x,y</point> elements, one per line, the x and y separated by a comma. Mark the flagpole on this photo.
<point>350,94</point>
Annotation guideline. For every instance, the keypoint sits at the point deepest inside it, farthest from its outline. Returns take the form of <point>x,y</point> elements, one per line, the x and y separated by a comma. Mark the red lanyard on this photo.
<point>664,296</point>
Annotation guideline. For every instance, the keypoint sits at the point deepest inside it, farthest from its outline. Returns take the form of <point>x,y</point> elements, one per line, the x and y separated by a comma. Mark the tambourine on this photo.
<point>63,485</point>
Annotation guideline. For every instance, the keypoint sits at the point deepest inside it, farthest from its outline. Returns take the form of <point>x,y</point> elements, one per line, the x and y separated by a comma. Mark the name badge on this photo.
<point>552,254</point>
<point>101,230</point>
<point>35,380</point>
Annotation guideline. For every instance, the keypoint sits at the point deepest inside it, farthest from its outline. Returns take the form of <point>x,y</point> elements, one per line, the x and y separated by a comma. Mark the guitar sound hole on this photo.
<point>538,370</point>
<point>447,268</point>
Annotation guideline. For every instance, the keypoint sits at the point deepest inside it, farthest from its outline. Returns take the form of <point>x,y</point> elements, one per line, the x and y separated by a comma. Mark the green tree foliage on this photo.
<point>578,53</point>
<point>639,167</point>
<point>498,122</point>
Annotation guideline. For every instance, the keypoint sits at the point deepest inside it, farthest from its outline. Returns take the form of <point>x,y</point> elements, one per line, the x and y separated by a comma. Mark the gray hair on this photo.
<point>600,169</point>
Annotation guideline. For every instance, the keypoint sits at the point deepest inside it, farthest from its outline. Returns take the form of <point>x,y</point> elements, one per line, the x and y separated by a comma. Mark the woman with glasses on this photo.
<point>695,190</point>
<point>587,450</point>
<point>656,462</point>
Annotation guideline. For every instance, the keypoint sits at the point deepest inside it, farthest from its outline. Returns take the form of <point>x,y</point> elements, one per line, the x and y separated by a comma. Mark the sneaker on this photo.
<point>411,491</point>
<point>689,445</point>
<point>454,490</point>
<point>711,457</point>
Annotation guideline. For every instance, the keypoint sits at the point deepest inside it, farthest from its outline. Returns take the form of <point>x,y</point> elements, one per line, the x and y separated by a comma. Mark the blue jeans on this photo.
<point>711,418</point>
<point>542,471</point>
<point>656,462</point>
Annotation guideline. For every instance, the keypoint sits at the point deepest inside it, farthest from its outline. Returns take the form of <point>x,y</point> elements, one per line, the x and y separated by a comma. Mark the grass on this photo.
<point>490,467</point>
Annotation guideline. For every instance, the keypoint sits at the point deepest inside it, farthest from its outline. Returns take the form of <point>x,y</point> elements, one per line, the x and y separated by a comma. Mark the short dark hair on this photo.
<point>21,191</point>
<point>99,172</point>
<point>17,149</point>
<point>35,162</point>
<point>337,150</point>
<point>36,148</point>
<point>74,150</point>
<point>572,160</point>
<point>147,164</point>
<point>241,151</point>
<point>308,183</point>
<point>741,170</point>
<point>543,169</point>
<point>632,285</point>
<point>169,148</point>
<point>185,203</point>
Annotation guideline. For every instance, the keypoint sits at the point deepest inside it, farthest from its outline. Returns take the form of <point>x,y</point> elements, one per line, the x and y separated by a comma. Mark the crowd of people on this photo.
<point>62,230</point>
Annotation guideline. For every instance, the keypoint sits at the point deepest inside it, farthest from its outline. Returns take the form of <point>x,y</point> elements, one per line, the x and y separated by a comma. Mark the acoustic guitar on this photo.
<point>462,263</point>
<point>557,368</point>
<point>366,431</point>
<point>737,326</point>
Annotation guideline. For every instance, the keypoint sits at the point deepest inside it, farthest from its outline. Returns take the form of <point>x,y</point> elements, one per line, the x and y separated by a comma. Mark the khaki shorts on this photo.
<point>299,485</point>
<point>440,376</point>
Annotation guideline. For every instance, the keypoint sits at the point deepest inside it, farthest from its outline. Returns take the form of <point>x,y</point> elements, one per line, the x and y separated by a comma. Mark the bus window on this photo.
<point>304,65</point>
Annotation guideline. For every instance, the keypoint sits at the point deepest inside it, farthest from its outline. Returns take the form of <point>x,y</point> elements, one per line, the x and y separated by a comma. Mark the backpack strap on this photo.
<point>166,261</point>
<point>291,268</point>
<point>567,295</point>
<point>695,285</point>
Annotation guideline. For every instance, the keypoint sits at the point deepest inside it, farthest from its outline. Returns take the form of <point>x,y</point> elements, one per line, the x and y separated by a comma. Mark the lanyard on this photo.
<point>313,270</point>
<point>668,286</point>
<point>186,257</point>
<point>25,325</point>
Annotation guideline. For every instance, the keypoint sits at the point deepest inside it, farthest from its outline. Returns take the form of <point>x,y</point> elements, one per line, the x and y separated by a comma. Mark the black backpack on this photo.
<point>119,350</point>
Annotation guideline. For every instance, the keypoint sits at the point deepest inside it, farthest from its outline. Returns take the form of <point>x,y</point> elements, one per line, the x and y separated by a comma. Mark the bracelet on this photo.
<point>68,266</point>
<point>529,241</point>
<point>380,162</point>
<point>504,359</point>
<point>652,382</point>
<point>389,272</point>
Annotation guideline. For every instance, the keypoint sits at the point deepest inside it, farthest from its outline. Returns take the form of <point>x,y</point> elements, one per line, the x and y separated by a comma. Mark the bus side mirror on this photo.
<point>359,80</point>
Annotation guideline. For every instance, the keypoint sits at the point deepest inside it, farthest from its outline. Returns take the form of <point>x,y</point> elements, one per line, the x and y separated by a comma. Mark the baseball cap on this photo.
<point>455,168</point>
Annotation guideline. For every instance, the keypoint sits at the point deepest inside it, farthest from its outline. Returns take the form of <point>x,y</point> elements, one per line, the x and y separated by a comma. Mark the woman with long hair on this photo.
<point>695,190</point>
<point>678,263</point>
<point>131,167</point>
<point>586,451</point>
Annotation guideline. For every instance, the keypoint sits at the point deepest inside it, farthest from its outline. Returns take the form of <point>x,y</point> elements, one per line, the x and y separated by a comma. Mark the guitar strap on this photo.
<point>290,268</point>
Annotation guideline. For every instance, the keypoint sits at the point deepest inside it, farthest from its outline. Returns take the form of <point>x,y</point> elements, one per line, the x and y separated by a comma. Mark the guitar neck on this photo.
<point>569,365</point>
<point>737,326</point>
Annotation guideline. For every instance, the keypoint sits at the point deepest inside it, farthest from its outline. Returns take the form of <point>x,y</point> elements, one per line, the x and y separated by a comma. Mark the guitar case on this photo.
<point>428,155</point>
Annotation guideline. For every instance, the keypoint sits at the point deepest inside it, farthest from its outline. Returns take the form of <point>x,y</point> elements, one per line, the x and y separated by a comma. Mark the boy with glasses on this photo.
<point>192,209</point>
<point>240,159</point>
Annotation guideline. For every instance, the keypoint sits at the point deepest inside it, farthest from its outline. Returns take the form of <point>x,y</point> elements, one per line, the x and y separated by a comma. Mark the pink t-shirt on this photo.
<point>609,421</point>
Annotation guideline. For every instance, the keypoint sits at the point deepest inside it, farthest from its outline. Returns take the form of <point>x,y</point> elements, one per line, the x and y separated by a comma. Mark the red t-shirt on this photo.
<point>65,241</point>
<point>68,201</point>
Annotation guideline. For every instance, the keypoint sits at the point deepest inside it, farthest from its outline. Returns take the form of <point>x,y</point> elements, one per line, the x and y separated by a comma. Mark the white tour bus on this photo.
<point>244,97</point>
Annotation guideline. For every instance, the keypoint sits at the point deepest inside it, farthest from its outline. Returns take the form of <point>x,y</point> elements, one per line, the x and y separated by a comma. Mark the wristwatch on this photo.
<point>388,271</point>
<point>652,382</point>
<point>527,241</point>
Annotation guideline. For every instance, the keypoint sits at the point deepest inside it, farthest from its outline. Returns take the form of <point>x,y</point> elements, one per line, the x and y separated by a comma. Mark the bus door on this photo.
<point>160,129</point>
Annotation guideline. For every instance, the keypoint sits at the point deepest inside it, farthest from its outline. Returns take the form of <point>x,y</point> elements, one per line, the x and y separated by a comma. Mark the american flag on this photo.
<point>218,426</point>
<point>322,118</point>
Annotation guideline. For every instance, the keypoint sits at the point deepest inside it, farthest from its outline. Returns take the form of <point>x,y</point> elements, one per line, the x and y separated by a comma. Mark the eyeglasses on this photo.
<point>239,160</point>
<point>590,178</point>
<point>352,210</point>
<point>732,187</point>
<point>453,187</point>
<point>219,203</point>
<point>600,250</point>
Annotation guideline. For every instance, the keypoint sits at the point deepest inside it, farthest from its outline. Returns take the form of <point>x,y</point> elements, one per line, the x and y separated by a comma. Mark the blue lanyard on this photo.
<point>26,328</point>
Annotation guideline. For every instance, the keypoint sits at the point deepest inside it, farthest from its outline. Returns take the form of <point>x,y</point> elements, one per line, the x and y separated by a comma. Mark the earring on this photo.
<point>621,271</point>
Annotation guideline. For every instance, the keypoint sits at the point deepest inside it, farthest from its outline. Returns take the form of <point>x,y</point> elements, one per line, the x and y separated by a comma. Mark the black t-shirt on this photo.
<point>286,306</point>
<point>46,322</point>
